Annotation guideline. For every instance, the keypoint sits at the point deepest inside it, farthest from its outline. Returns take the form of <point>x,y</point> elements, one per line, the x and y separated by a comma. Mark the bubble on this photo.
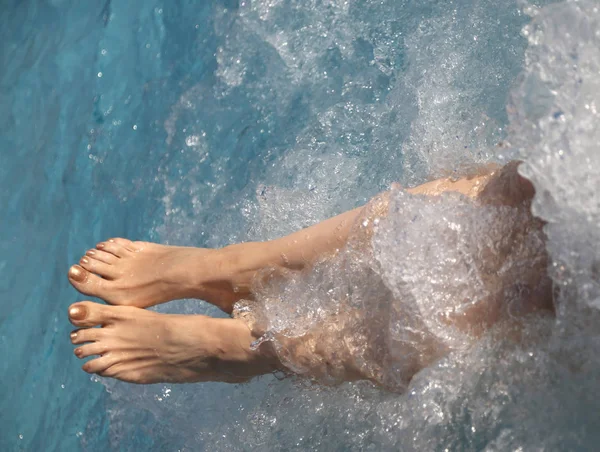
<point>351,96</point>
<point>192,140</point>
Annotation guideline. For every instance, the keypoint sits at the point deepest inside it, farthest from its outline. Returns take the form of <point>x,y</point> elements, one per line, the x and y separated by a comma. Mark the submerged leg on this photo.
<point>144,347</point>
<point>352,342</point>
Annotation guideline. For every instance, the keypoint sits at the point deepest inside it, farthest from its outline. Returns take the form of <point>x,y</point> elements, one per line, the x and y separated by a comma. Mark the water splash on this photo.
<point>343,98</point>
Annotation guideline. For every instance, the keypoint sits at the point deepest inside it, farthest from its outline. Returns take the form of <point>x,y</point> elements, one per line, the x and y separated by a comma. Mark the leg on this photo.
<point>142,274</point>
<point>197,348</point>
<point>506,251</point>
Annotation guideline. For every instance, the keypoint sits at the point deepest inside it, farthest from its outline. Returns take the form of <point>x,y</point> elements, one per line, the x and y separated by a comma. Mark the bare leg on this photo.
<point>327,351</point>
<point>144,347</point>
<point>142,274</point>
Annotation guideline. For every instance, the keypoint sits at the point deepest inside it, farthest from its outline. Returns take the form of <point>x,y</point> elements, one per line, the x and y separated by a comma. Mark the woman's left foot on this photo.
<point>139,346</point>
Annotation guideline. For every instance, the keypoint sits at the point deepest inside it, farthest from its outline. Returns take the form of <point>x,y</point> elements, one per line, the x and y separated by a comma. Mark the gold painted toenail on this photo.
<point>73,336</point>
<point>90,252</point>
<point>77,313</point>
<point>77,273</point>
<point>85,260</point>
<point>100,245</point>
<point>111,241</point>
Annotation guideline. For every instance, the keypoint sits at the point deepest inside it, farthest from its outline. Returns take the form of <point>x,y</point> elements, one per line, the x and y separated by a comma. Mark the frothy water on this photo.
<point>343,98</point>
<point>554,122</point>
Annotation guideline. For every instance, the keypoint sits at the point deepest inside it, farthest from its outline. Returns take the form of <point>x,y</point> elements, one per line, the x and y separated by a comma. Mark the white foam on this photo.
<point>378,92</point>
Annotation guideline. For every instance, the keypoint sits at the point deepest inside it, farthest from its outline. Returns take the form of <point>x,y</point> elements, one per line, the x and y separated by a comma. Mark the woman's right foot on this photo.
<point>143,274</point>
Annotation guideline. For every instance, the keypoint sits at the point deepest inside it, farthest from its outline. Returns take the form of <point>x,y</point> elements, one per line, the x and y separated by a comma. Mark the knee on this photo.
<point>507,187</point>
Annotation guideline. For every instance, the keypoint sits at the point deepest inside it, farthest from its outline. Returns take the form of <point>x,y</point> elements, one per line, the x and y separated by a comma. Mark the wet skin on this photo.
<point>142,274</point>
<point>140,346</point>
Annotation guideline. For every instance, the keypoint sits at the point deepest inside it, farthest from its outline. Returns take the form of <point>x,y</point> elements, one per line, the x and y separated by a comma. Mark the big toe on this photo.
<point>88,314</point>
<point>86,282</point>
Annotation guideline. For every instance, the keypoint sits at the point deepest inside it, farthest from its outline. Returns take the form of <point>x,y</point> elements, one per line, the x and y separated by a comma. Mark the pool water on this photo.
<point>207,123</point>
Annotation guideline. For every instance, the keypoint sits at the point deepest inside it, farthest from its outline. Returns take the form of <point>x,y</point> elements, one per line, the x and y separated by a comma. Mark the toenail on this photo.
<point>100,245</point>
<point>73,336</point>
<point>77,273</point>
<point>78,352</point>
<point>85,260</point>
<point>90,252</point>
<point>77,313</point>
<point>111,241</point>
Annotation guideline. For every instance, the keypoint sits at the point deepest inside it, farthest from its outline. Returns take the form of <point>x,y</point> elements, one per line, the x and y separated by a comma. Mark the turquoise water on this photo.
<point>205,123</point>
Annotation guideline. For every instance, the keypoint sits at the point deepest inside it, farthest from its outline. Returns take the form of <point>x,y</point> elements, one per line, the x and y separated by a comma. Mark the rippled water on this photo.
<point>223,121</point>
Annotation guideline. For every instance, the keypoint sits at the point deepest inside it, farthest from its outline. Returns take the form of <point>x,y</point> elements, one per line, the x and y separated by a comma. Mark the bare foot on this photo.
<point>144,274</point>
<point>139,346</point>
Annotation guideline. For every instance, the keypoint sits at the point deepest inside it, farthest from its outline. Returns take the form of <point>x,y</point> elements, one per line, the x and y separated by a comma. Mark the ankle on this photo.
<point>221,276</point>
<point>245,260</point>
<point>234,354</point>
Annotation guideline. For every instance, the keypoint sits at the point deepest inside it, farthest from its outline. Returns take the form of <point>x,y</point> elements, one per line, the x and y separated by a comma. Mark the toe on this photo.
<point>86,335</point>
<point>98,365</point>
<point>102,256</point>
<point>86,282</point>
<point>114,248</point>
<point>124,372</point>
<point>125,243</point>
<point>78,274</point>
<point>95,348</point>
<point>99,268</point>
<point>87,314</point>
